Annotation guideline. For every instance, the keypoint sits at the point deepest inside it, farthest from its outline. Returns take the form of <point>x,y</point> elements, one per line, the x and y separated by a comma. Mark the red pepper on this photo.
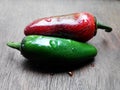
<point>77,26</point>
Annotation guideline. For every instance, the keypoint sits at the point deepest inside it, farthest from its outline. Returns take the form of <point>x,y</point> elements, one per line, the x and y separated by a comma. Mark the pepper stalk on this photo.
<point>105,27</point>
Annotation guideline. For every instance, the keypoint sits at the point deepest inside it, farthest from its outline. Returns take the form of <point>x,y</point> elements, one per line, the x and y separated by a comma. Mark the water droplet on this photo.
<point>73,49</point>
<point>53,43</point>
<point>48,19</point>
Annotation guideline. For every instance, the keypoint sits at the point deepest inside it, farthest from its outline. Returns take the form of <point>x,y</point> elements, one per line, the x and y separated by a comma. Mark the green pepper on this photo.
<point>53,49</point>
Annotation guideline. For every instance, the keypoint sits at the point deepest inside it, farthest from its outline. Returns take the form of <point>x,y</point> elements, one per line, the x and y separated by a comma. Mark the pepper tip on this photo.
<point>15,45</point>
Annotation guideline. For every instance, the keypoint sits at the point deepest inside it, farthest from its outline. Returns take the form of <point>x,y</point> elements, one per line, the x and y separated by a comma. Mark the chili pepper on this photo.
<point>78,26</point>
<point>37,47</point>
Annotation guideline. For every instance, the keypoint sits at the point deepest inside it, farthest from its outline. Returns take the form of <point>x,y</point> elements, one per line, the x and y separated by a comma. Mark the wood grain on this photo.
<point>14,71</point>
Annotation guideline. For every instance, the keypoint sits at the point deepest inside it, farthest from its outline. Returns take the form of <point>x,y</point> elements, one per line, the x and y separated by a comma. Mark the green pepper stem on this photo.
<point>15,45</point>
<point>101,26</point>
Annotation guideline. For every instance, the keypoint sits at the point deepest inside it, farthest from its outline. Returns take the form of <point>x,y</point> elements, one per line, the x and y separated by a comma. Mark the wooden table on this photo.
<point>103,74</point>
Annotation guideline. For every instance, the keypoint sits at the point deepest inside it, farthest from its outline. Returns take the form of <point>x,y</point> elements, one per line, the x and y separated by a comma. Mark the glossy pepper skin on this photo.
<point>78,26</point>
<point>53,49</point>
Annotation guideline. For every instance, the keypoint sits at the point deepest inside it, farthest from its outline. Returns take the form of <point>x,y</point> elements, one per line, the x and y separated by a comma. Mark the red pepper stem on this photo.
<point>15,45</point>
<point>101,26</point>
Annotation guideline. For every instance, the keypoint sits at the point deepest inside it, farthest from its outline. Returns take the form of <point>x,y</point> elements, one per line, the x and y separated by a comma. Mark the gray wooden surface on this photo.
<point>103,75</point>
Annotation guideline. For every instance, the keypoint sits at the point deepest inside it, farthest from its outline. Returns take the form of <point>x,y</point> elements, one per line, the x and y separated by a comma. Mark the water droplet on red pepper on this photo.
<point>48,19</point>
